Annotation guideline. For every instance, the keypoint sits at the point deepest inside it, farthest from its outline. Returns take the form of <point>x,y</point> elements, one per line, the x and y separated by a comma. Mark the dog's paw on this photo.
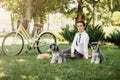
<point>91,62</point>
<point>97,62</point>
<point>59,62</point>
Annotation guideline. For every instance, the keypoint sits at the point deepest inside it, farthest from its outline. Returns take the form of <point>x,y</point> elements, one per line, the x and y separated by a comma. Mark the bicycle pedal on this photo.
<point>29,48</point>
<point>26,51</point>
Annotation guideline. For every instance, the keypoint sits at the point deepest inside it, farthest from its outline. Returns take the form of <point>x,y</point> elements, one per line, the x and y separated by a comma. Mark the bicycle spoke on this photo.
<point>12,44</point>
<point>44,41</point>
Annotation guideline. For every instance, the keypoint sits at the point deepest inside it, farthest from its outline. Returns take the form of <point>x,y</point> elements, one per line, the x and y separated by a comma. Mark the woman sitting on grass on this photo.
<point>79,47</point>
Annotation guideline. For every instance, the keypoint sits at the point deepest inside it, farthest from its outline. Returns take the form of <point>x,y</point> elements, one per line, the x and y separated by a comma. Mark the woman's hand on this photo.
<point>72,55</point>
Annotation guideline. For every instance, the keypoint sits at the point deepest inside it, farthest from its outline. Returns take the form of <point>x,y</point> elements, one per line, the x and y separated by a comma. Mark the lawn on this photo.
<point>27,67</point>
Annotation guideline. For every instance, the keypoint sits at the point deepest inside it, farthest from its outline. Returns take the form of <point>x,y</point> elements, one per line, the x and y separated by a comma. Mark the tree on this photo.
<point>16,9</point>
<point>103,11</point>
<point>116,18</point>
<point>80,15</point>
<point>39,8</point>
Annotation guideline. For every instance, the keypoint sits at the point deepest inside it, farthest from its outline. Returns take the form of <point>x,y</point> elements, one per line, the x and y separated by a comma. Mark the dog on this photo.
<point>97,56</point>
<point>56,54</point>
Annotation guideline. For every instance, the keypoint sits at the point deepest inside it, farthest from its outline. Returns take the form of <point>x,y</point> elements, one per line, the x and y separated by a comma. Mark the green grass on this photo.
<point>27,67</point>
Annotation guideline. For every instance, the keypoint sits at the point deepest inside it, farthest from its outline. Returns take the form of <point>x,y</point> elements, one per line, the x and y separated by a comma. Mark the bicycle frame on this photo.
<point>13,42</point>
<point>21,30</point>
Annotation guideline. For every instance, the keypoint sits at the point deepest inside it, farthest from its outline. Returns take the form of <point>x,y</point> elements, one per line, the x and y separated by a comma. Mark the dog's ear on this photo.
<point>57,48</point>
<point>51,46</point>
<point>90,44</point>
<point>55,45</point>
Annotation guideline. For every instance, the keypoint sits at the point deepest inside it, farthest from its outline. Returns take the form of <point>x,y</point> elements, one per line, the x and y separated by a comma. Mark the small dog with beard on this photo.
<point>97,56</point>
<point>56,54</point>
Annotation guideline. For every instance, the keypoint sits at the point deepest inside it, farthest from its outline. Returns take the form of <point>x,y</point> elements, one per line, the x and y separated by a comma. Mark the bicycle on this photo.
<point>13,42</point>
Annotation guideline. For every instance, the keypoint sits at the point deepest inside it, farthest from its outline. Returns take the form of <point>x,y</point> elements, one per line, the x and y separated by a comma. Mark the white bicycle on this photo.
<point>13,42</point>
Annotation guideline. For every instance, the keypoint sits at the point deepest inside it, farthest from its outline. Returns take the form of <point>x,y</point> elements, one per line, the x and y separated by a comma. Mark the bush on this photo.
<point>114,38</point>
<point>67,33</point>
<point>96,33</point>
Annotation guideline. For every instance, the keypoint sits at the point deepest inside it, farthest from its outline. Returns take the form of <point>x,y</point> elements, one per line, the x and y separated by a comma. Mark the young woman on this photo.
<point>79,47</point>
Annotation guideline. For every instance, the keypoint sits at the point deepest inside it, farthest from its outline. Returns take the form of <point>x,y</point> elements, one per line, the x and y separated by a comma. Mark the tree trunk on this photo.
<point>42,23</point>
<point>36,20</point>
<point>80,15</point>
<point>28,12</point>
<point>12,22</point>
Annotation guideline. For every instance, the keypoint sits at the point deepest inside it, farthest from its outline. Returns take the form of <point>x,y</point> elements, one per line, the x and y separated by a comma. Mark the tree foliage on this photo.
<point>40,7</point>
<point>15,6</point>
<point>116,18</point>
<point>82,10</point>
<point>103,10</point>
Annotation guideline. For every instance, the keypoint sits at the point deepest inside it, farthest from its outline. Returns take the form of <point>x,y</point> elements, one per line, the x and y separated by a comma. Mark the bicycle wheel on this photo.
<point>12,44</point>
<point>44,42</point>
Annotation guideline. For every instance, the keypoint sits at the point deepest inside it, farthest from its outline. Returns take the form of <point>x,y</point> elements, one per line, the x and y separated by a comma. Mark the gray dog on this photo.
<point>97,56</point>
<point>56,54</point>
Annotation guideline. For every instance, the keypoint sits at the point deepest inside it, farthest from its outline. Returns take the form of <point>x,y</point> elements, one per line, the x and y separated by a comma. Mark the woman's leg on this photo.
<point>67,52</point>
<point>77,54</point>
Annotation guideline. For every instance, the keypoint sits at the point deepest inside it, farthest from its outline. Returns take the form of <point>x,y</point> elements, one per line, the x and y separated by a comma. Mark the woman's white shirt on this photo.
<point>82,45</point>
